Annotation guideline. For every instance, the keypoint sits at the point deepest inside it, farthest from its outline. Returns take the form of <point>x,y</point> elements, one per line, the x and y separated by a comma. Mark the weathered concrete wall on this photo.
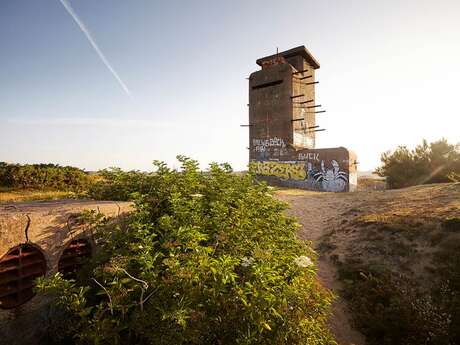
<point>50,229</point>
<point>270,109</point>
<point>273,113</point>
<point>329,170</point>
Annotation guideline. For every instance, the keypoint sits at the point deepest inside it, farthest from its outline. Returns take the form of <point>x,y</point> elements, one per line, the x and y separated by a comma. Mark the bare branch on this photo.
<point>108,295</point>
<point>146,285</point>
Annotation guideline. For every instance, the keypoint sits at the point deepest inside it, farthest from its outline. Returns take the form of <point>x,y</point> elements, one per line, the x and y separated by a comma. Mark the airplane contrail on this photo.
<point>91,40</point>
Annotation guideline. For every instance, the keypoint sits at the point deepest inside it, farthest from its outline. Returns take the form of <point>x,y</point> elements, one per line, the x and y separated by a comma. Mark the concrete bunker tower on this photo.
<point>283,127</point>
<point>282,98</point>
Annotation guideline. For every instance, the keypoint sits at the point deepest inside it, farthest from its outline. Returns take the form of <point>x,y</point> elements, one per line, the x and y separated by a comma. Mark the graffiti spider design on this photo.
<point>332,180</point>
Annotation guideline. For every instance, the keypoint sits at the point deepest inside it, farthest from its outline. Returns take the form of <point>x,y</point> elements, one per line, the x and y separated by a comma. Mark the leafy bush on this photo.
<point>205,258</point>
<point>43,176</point>
<point>116,184</point>
<point>428,163</point>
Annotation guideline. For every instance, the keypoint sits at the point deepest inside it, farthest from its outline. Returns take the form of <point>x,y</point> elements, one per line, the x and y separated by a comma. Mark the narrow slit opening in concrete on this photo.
<point>272,83</point>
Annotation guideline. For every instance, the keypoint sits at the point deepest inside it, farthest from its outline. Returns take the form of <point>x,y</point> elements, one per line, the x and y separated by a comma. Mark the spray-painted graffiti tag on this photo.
<point>261,145</point>
<point>283,170</point>
<point>305,174</point>
<point>309,156</point>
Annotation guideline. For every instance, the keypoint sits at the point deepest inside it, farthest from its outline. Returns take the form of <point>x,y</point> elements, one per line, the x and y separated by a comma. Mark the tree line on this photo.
<point>43,176</point>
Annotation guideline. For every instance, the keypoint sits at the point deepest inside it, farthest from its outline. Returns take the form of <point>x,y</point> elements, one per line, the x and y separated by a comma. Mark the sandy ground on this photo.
<point>321,213</point>
<point>317,213</point>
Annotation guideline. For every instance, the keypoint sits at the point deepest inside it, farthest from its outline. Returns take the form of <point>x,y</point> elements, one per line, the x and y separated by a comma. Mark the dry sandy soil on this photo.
<point>345,218</point>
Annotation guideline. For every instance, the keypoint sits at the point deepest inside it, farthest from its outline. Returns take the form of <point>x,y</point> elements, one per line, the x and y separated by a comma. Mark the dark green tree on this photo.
<point>436,162</point>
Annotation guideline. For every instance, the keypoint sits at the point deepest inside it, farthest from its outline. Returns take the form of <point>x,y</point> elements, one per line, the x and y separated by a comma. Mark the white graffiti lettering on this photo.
<point>275,141</point>
<point>261,145</point>
<point>309,156</point>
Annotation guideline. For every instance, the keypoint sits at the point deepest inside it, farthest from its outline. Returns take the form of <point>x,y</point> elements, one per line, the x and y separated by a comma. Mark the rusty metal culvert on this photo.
<point>73,257</point>
<point>18,270</point>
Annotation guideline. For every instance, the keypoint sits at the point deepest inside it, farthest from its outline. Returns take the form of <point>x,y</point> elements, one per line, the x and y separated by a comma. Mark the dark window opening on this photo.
<point>272,83</point>
<point>73,257</point>
<point>18,270</point>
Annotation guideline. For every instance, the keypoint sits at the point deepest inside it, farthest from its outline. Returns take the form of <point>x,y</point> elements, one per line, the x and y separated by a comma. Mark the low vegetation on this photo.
<point>44,177</point>
<point>15,195</point>
<point>116,184</point>
<point>436,162</point>
<point>368,183</point>
<point>49,182</point>
<point>391,308</point>
<point>205,258</point>
<point>399,264</point>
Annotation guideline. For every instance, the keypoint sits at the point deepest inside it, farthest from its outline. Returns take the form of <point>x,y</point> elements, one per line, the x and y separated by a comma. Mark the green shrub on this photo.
<point>205,258</point>
<point>116,184</point>
<point>43,176</point>
<point>427,163</point>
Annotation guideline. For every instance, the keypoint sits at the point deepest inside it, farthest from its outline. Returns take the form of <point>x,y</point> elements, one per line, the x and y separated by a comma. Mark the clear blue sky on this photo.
<point>390,74</point>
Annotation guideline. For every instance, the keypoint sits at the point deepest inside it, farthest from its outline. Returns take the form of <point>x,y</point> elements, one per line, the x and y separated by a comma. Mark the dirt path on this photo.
<point>318,213</point>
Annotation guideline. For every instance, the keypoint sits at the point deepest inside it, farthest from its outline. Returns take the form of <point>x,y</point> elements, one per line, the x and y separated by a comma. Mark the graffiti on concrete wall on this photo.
<point>261,145</point>
<point>283,170</point>
<point>309,156</point>
<point>305,174</point>
<point>271,147</point>
<point>330,178</point>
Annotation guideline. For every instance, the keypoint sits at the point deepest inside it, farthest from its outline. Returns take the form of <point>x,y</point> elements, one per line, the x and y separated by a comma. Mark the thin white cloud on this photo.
<point>93,43</point>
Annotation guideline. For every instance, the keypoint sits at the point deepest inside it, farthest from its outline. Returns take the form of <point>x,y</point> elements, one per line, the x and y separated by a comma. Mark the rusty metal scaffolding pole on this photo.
<point>311,112</point>
<point>316,130</point>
